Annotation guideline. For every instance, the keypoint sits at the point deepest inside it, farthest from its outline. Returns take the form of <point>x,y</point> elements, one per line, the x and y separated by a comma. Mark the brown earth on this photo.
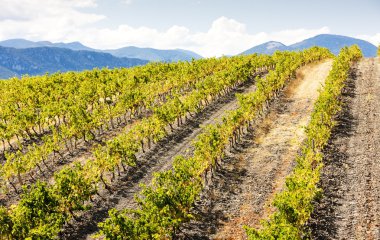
<point>350,207</point>
<point>242,190</point>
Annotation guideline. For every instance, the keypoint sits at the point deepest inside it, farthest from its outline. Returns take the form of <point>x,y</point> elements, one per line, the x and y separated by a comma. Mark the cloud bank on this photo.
<point>71,20</point>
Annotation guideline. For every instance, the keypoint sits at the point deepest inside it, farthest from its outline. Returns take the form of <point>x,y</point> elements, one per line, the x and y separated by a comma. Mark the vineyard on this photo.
<point>244,147</point>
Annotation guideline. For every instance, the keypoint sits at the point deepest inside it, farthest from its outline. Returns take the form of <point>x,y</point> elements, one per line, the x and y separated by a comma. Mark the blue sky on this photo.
<point>351,17</point>
<point>209,27</point>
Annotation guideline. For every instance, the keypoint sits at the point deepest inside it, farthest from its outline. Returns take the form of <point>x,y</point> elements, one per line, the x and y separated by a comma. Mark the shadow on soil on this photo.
<point>225,182</point>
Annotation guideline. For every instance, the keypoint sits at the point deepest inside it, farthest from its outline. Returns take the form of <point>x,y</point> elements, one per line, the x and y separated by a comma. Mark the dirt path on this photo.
<point>159,158</point>
<point>350,208</point>
<point>250,176</point>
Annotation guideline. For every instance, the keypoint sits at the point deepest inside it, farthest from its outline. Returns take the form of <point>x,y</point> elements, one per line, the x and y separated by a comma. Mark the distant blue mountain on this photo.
<point>20,56</point>
<point>155,55</point>
<point>22,43</point>
<point>39,60</point>
<point>333,42</point>
<point>6,73</point>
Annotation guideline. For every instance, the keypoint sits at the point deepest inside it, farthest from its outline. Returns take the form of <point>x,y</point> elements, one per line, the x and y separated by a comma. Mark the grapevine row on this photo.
<point>83,101</point>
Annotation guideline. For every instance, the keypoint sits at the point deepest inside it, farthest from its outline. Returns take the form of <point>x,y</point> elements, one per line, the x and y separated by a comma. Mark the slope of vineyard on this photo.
<point>167,202</point>
<point>168,151</point>
<point>75,184</point>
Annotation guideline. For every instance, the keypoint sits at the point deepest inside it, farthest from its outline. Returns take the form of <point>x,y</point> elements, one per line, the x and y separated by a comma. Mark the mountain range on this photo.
<point>20,56</point>
<point>39,60</point>
<point>333,42</point>
<point>149,54</point>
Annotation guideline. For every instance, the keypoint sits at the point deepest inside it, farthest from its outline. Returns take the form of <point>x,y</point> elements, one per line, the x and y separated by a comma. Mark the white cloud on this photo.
<point>65,20</point>
<point>227,36</point>
<point>31,9</point>
<point>224,37</point>
<point>374,39</point>
<point>128,2</point>
<point>44,20</point>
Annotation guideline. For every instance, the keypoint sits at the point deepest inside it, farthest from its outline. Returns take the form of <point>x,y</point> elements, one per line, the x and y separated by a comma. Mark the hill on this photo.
<point>333,42</point>
<point>155,55</point>
<point>266,48</point>
<point>39,60</point>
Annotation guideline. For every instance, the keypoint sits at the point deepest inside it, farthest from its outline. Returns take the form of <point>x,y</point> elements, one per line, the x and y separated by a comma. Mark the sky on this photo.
<point>208,27</point>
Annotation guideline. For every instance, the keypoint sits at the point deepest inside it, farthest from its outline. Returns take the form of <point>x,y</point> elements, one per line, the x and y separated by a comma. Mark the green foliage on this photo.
<point>172,90</point>
<point>5,223</point>
<point>37,216</point>
<point>168,201</point>
<point>72,188</point>
<point>295,204</point>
